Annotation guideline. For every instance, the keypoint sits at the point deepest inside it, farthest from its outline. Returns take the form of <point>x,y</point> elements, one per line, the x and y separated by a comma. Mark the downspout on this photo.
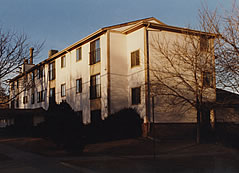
<point>108,74</point>
<point>148,81</point>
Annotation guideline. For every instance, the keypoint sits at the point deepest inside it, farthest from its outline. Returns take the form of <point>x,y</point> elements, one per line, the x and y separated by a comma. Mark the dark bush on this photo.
<point>64,127</point>
<point>121,125</point>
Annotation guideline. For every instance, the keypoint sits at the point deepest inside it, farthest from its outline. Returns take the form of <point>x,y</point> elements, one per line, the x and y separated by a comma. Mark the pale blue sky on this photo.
<point>63,22</point>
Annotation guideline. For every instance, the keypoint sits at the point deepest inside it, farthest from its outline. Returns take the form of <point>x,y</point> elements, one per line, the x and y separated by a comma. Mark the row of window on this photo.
<point>94,93</point>
<point>94,90</point>
<point>40,98</point>
<point>94,58</point>
<point>94,54</point>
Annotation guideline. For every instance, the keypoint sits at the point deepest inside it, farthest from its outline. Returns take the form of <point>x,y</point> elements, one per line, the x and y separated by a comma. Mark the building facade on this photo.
<point>98,75</point>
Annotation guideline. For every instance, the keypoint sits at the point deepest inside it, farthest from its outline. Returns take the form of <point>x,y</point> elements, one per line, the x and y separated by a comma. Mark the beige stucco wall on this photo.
<point>165,108</point>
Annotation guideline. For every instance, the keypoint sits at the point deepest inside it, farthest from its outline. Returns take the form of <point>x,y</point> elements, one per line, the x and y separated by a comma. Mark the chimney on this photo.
<point>52,52</point>
<point>31,55</point>
<point>25,61</point>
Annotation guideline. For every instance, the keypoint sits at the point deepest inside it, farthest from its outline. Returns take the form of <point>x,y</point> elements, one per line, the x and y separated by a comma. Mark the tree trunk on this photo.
<point>198,137</point>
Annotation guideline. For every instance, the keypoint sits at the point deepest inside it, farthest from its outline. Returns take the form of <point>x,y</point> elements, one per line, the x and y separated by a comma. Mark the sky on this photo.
<point>61,23</point>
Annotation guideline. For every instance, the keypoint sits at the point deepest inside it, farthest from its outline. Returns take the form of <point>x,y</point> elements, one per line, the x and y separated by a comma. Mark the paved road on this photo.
<point>25,162</point>
<point>220,160</point>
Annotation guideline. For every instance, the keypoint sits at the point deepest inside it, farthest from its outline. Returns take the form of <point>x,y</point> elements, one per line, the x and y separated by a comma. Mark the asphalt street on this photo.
<point>198,158</point>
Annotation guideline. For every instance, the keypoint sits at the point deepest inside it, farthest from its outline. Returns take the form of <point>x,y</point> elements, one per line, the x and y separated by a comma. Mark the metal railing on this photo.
<point>94,56</point>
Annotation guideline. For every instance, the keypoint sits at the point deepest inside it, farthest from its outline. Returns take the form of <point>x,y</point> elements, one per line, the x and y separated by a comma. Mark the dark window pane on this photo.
<point>135,96</point>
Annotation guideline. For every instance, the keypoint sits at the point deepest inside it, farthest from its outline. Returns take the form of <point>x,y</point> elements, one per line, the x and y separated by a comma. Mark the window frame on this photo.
<point>63,86</point>
<point>17,102</point>
<point>207,79</point>
<point>33,98</point>
<point>25,100</point>
<point>40,72</point>
<point>204,43</point>
<point>13,85</point>
<point>52,71</point>
<point>135,62</point>
<point>79,88</point>
<point>95,86</point>
<point>78,54</point>
<point>63,61</point>
<point>95,51</point>
<point>40,96</point>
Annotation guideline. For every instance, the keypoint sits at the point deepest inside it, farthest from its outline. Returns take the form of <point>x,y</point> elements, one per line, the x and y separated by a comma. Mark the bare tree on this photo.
<point>182,74</point>
<point>226,26</point>
<point>14,48</point>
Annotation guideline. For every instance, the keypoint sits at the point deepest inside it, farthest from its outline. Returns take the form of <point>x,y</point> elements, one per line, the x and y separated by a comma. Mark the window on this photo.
<point>25,81</point>
<point>32,98</point>
<point>40,96</point>
<point>78,54</point>
<point>12,104</point>
<point>63,61</point>
<point>207,79</point>
<point>32,76</point>
<point>52,95</point>
<point>40,72</point>
<point>63,90</point>
<point>79,85</point>
<point>204,43</point>
<point>52,71</point>
<point>95,52</point>
<point>25,100</point>
<point>17,103</point>
<point>95,87</point>
<point>17,84</point>
<point>135,58</point>
<point>135,95</point>
<point>12,86</point>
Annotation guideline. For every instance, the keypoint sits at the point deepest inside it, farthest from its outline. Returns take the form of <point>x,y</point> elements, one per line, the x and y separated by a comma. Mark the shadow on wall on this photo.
<point>66,129</point>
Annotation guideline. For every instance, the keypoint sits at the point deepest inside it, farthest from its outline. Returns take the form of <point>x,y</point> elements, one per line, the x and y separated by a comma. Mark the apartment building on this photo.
<point>102,73</point>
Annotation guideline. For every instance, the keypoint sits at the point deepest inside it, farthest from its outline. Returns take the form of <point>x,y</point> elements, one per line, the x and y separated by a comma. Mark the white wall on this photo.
<point>118,72</point>
<point>136,75</point>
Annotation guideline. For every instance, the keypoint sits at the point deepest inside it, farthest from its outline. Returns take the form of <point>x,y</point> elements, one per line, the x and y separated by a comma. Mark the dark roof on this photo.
<point>227,97</point>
